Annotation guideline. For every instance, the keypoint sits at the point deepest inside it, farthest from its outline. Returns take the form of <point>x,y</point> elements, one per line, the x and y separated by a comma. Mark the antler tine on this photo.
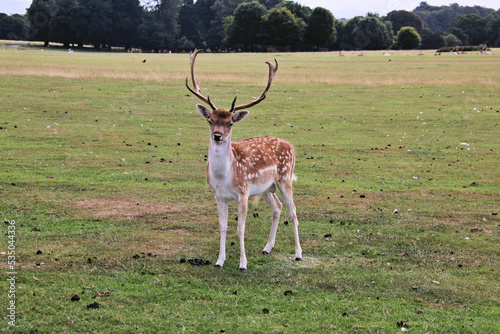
<point>272,72</point>
<point>196,87</point>
<point>234,102</point>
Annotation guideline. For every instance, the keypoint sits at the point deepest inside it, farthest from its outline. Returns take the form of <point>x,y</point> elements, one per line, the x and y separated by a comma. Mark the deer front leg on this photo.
<point>242,216</point>
<point>222,208</point>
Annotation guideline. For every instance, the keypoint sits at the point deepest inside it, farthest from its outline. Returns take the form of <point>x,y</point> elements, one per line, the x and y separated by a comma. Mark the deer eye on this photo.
<point>230,125</point>
<point>209,121</point>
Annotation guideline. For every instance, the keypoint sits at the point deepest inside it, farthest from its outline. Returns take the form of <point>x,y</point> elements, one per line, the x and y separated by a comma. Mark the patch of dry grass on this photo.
<point>107,208</point>
<point>370,70</point>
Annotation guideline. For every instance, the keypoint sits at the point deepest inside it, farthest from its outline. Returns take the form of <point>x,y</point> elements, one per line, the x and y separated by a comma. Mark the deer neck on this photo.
<point>220,157</point>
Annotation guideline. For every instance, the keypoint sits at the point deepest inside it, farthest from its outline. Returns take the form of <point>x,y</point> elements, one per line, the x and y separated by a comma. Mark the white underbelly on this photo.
<point>224,188</point>
<point>258,188</point>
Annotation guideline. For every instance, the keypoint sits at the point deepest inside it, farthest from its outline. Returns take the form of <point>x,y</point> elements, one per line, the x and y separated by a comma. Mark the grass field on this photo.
<point>102,179</point>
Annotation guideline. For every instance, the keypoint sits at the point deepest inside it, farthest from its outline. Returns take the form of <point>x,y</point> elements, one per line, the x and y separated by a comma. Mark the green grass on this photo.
<point>103,170</point>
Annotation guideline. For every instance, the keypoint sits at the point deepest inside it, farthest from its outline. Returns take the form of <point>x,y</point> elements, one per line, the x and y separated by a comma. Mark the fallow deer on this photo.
<point>238,170</point>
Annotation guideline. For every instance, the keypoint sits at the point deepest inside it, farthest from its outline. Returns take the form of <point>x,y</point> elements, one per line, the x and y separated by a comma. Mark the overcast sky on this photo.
<point>339,8</point>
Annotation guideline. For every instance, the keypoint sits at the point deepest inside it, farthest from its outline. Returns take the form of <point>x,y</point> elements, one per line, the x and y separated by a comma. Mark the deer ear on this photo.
<point>204,111</point>
<point>239,116</point>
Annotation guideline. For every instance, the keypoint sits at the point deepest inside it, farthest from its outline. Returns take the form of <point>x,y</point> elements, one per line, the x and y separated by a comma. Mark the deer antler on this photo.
<point>272,72</point>
<point>196,87</point>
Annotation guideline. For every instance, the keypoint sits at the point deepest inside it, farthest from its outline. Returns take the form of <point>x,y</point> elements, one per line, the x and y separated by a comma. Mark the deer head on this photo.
<point>220,120</point>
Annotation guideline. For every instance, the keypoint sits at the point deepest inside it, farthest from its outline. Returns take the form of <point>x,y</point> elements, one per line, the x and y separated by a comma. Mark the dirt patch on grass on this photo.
<point>109,208</point>
<point>156,243</point>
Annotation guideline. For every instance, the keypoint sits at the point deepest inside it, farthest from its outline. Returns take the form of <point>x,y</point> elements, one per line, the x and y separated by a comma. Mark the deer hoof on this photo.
<point>298,259</point>
<point>243,269</point>
<point>218,266</point>
<point>265,253</point>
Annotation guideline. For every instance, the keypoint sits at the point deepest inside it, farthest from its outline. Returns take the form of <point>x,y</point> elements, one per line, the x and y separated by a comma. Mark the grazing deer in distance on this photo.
<point>238,170</point>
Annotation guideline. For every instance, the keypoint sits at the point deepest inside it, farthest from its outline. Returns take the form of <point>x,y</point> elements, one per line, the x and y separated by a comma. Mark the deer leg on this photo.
<point>275,204</point>
<point>242,216</point>
<point>222,207</point>
<point>286,190</point>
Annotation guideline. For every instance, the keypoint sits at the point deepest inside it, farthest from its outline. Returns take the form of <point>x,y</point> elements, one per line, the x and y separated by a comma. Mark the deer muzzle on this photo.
<point>217,136</point>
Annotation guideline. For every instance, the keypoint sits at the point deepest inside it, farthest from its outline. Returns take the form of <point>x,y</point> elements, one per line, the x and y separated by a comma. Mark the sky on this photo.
<point>339,8</point>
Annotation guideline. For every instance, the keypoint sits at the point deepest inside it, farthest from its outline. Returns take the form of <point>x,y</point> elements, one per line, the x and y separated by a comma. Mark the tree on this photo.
<point>452,40</point>
<point>473,28</point>
<point>152,34</point>
<point>126,17</point>
<point>458,34</point>
<point>218,11</point>
<point>60,27</point>
<point>440,18</point>
<point>92,22</point>
<point>430,39</point>
<point>245,25</point>
<point>13,26</point>
<point>280,27</point>
<point>189,23</point>
<point>366,33</point>
<point>320,28</point>
<point>158,29</point>
<point>334,44</point>
<point>346,36</point>
<point>493,28</point>
<point>167,14</point>
<point>186,44</point>
<point>403,18</point>
<point>298,10</point>
<point>96,22</point>
<point>40,14</point>
<point>408,38</point>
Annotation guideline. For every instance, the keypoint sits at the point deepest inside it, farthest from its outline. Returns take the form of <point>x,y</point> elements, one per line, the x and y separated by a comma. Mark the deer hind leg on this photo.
<point>275,204</point>
<point>222,207</point>
<point>286,190</point>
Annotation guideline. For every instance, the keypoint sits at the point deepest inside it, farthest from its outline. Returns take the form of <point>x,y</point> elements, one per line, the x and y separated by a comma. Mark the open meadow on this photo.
<point>112,226</point>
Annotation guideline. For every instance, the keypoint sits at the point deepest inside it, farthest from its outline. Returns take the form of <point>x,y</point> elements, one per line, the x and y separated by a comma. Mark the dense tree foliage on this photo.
<point>40,15</point>
<point>281,28</point>
<point>320,28</point>
<point>408,38</point>
<point>403,18</point>
<point>470,28</point>
<point>431,39</point>
<point>298,10</point>
<point>366,33</point>
<point>452,40</point>
<point>440,18</point>
<point>245,25</point>
<point>252,25</point>
<point>493,28</point>
<point>12,27</point>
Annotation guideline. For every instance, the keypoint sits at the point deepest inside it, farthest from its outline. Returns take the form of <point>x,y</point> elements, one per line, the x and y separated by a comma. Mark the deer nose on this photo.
<point>217,136</point>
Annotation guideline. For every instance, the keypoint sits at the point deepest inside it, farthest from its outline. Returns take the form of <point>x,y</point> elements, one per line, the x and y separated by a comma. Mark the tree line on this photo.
<point>245,24</point>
